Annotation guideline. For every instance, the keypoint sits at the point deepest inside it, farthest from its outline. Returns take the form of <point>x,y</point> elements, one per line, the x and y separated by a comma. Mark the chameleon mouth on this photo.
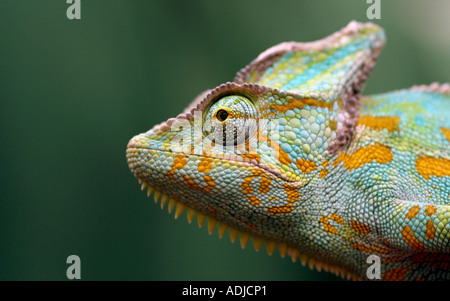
<point>142,143</point>
<point>179,207</point>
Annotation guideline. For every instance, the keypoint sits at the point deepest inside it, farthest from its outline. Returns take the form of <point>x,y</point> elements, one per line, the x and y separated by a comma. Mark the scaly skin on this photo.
<point>289,153</point>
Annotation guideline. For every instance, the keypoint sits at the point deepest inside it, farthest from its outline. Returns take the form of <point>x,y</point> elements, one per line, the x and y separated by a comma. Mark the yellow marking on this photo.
<point>254,200</point>
<point>265,185</point>
<point>390,123</point>
<point>370,249</point>
<point>292,196</point>
<point>251,156</point>
<point>179,163</point>
<point>446,132</point>
<point>283,157</point>
<point>205,165</point>
<point>430,209</point>
<point>361,247</point>
<point>411,239</point>
<point>430,230</point>
<point>292,193</point>
<point>327,227</point>
<point>323,173</point>
<point>280,209</point>
<point>378,152</point>
<point>208,180</point>
<point>246,187</point>
<point>430,166</point>
<point>337,218</point>
<point>412,213</point>
<point>360,227</point>
<point>332,125</point>
<point>299,103</point>
<point>326,224</point>
<point>306,166</point>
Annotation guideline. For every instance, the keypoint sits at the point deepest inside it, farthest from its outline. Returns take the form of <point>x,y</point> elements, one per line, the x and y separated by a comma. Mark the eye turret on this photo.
<point>231,120</point>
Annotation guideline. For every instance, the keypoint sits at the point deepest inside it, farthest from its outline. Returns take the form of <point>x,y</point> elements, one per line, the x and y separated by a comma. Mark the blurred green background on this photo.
<point>73,92</point>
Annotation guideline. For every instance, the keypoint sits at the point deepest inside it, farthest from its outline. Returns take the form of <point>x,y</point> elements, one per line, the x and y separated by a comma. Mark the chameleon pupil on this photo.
<point>222,115</point>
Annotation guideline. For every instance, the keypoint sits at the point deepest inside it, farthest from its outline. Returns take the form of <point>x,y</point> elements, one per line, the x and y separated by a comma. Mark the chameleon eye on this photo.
<point>221,115</point>
<point>231,120</point>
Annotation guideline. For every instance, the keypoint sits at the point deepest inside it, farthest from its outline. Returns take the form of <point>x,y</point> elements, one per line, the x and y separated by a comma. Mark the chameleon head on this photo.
<point>245,153</point>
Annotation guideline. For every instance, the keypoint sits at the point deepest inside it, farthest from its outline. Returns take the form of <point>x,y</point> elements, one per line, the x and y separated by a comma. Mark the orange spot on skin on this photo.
<point>332,124</point>
<point>306,166</point>
<point>257,172</point>
<point>246,187</point>
<point>397,274</point>
<point>393,259</point>
<point>337,218</point>
<point>265,185</point>
<point>377,152</point>
<point>323,173</point>
<point>430,230</point>
<point>380,250</point>
<point>250,152</point>
<point>208,180</point>
<point>254,200</point>
<point>282,156</point>
<point>251,156</point>
<point>292,196</point>
<point>360,227</point>
<point>361,247</point>
<point>370,249</point>
<point>326,224</point>
<point>205,165</point>
<point>430,166</point>
<point>179,163</point>
<point>292,193</point>
<point>280,209</point>
<point>430,209</point>
<point>411,239</point>
<point>446,132</point>
<point>390,123</point>
<point>412,213</point>
<point>299,103</point>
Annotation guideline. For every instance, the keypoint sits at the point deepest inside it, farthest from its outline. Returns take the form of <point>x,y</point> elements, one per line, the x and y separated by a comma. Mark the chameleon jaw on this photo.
<point>284,249</point>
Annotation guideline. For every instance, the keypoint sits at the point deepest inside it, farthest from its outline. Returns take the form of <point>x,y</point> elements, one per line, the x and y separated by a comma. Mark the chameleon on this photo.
<point>292,155</point>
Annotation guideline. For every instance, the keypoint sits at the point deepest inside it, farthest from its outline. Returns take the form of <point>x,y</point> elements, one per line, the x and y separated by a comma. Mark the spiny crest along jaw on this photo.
<point>254,82</point>
<point>284,249</point>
